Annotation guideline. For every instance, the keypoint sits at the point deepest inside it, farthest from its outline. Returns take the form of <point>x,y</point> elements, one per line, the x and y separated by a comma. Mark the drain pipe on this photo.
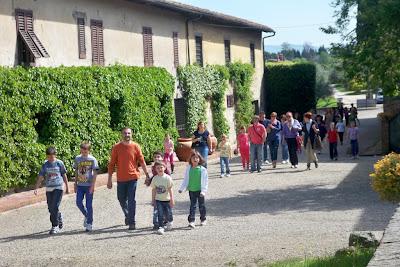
<point>263,44</point>
<point>187,37</point>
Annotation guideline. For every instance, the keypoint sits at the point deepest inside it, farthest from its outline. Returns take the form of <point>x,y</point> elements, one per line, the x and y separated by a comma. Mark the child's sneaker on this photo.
<point>228,175</point>
<point>192,225</point>
<point>222,175</point>
<point>160,231</point>
<point>54,230</point>
<point>169,226</point>
<point>203,223</point>
<point>85,222</point>
<point>89,227</point>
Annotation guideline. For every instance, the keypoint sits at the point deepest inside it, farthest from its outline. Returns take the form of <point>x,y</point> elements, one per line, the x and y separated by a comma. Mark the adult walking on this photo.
<point>290,132</point>
<point>202,141</point>
<point>310,130</point>
<point>264,121</point>
<point>284,146</point>
<point>257,135</point>
<point>127,157</point>
<point>274,137</point>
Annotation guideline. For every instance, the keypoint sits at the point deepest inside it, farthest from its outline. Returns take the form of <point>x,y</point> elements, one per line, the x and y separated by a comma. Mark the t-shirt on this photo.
<point>53,174</point>
<point>127,159</point>
<point>257,133</point>
<point>243,140</point>
<point>332,136</point>
<point>225,149</point>
<point>353,133</point>
<point>340,127</point>
<point>203,138</point>
<point>84,167</point>
<point>162,184</point>
<point>168,146</point>
<point>194,179</point>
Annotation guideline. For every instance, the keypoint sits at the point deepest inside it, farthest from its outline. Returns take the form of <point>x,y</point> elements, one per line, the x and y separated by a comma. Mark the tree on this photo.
<point>370,51</point>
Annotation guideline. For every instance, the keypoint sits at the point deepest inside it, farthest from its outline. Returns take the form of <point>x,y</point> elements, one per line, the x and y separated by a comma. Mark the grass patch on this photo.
<point>358,257</point>
<point>327,102</point>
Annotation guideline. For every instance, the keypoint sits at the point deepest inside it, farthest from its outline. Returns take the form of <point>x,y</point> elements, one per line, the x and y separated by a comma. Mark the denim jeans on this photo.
<point>354,147</point>
<point>194,198</point>
<point>53,204</point>
<point>256,151</point>
<point>265,151</point>
<point>285,152</point>
<point>224,163</point>
<point>164,210</point>
<point>203,150</point>
<point>273,148</point>
<point>126,192</point>
<point>81,193</point>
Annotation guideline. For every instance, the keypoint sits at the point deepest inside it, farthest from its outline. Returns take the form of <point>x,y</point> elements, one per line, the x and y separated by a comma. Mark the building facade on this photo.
<point>131,32</point>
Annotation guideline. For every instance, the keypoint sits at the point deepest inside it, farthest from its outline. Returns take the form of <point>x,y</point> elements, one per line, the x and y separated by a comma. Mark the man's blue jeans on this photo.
<point>256,154</point>
<point>224,163</point>
<point>164,210</point>
<point>83,192</point>
<point>265,151</point>
<point>273,148</point>
<point>126,192</point>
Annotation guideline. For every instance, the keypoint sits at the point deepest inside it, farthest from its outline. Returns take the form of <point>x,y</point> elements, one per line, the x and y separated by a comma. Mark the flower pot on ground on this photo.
<point>214,143</point>
<point>184,148</point>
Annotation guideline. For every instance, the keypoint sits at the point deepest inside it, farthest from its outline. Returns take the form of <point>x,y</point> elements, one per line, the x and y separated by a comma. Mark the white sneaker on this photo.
<point>267,162</point>
<point>85,222</point>
<point>203,223</point>
<point>228,175</point>
<point>296,166</point>
<point>169,226</point>
<point>160,231</point>
<point>292,167</point>
<point>89,227</point>
<point>192,225</point>
<point>54,230</point>
<point>222,175</point>
<point>285,162</point>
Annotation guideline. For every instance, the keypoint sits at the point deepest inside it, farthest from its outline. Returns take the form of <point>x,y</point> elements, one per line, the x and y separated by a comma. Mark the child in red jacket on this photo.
<point>333,138</point>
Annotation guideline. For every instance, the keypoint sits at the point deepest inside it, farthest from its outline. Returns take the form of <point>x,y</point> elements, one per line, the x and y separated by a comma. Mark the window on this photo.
<point>199,50</point>
<point>29,45</point>
<point>81,38</point>
<point>230,101</point>
<point>227,44</point>
<point>180,116</point>
<point>256,107</point>
<point>176,49</point>
<point>252,55</point>
<point>148,46</point>
<point>96,28</point>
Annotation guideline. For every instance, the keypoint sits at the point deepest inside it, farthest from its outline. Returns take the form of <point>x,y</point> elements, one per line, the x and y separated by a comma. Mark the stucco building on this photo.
<point>132,32</point>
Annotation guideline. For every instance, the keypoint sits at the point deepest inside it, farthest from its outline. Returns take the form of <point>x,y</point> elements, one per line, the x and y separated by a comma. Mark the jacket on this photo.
<point>309,135</point>
<point>204,180</point>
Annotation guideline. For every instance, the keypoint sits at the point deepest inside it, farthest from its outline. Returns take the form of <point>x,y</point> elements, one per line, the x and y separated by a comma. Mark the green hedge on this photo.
<point>290,87</point>
<point>66,105</point>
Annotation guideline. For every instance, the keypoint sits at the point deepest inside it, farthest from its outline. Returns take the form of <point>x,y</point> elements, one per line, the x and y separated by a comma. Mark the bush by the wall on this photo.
<point>290,87</point>
<point>66,105</point>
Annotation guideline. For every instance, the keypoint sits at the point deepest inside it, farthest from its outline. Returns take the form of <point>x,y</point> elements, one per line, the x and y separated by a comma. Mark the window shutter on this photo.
<point>148,46</point>
<point>227,44</point>
<point>100,43</point>
<point>176,49</point>
<point>35,39</point>
<point>96,29</point>
<point>230,101</point>
<point>199,50</point>
<point>252,55</point>
<point>81,38</point>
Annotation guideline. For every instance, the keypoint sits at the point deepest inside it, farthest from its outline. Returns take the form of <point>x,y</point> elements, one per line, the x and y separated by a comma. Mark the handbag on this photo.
<point>317,142</point>
<point>299,142</point>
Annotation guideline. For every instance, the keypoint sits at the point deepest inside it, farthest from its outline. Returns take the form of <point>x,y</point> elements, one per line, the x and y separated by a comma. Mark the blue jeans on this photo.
<point>354,147</point>
<point>194,198</point>
<point>83,192</point>
<point>256,152</point>
<point>126,192</point>
<point>53,204</point>
<point>224,162</point>
<point>273,148</point>
<point>203,150</point>
<point>265,151</point>
<point>285,152</point>
<point>164,210</point>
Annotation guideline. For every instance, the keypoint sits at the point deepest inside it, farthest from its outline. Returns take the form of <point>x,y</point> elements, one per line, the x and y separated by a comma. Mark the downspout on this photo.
<point>187,37</point>
<point>263,44</point>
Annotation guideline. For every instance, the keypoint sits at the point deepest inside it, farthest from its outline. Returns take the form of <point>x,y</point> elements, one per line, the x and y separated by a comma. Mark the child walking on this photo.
<point>341,127</point>
<point>353,136</point>
<point>86,168</point>
<point>225,155</point>
<point>169,152</point>
<point>162,197</point>
<point>196,182</point>
<point>157,157</point>
<point>54,173</point>
<point>244,148</point>
<point>332,139</point>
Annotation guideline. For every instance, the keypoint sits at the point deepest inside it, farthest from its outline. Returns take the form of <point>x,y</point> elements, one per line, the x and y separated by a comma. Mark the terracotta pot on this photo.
<point>184,148</point>
<point>214,143</point>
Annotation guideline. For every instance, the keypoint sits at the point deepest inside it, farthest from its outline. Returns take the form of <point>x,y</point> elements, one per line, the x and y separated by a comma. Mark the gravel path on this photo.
<point>273,215</point>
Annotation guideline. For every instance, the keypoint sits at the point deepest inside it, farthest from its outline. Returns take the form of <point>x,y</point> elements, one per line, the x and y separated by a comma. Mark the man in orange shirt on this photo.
<point>127,156</point>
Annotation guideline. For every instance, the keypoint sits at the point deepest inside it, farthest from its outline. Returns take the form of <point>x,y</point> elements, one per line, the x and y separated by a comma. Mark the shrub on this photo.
<point>290,87</point>
<point>64,106</point>
<point>386,177</point>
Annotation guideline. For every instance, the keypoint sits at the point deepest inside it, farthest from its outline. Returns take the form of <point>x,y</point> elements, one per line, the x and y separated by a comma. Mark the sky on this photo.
<point>295,21</point>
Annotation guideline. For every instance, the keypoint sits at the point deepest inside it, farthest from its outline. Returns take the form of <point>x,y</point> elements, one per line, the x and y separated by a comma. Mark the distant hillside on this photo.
<point>277,48</point>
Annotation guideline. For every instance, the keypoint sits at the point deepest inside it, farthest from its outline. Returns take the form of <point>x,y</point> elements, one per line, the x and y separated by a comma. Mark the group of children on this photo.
<point>195,181</point>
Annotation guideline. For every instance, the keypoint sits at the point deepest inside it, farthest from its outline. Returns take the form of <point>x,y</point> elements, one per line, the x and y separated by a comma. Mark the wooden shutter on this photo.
<point>252,55</point>
<point>148,46</point>
<point>176,49</point>
<point>227,44</point>
<point>81,38</point>
<point>199,50</point>
<point>230,101</point>
<point>96,29</point>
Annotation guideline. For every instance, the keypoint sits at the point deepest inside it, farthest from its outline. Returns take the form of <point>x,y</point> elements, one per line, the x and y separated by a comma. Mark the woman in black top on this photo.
<point>310,130</point>
<point>202,141</point>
